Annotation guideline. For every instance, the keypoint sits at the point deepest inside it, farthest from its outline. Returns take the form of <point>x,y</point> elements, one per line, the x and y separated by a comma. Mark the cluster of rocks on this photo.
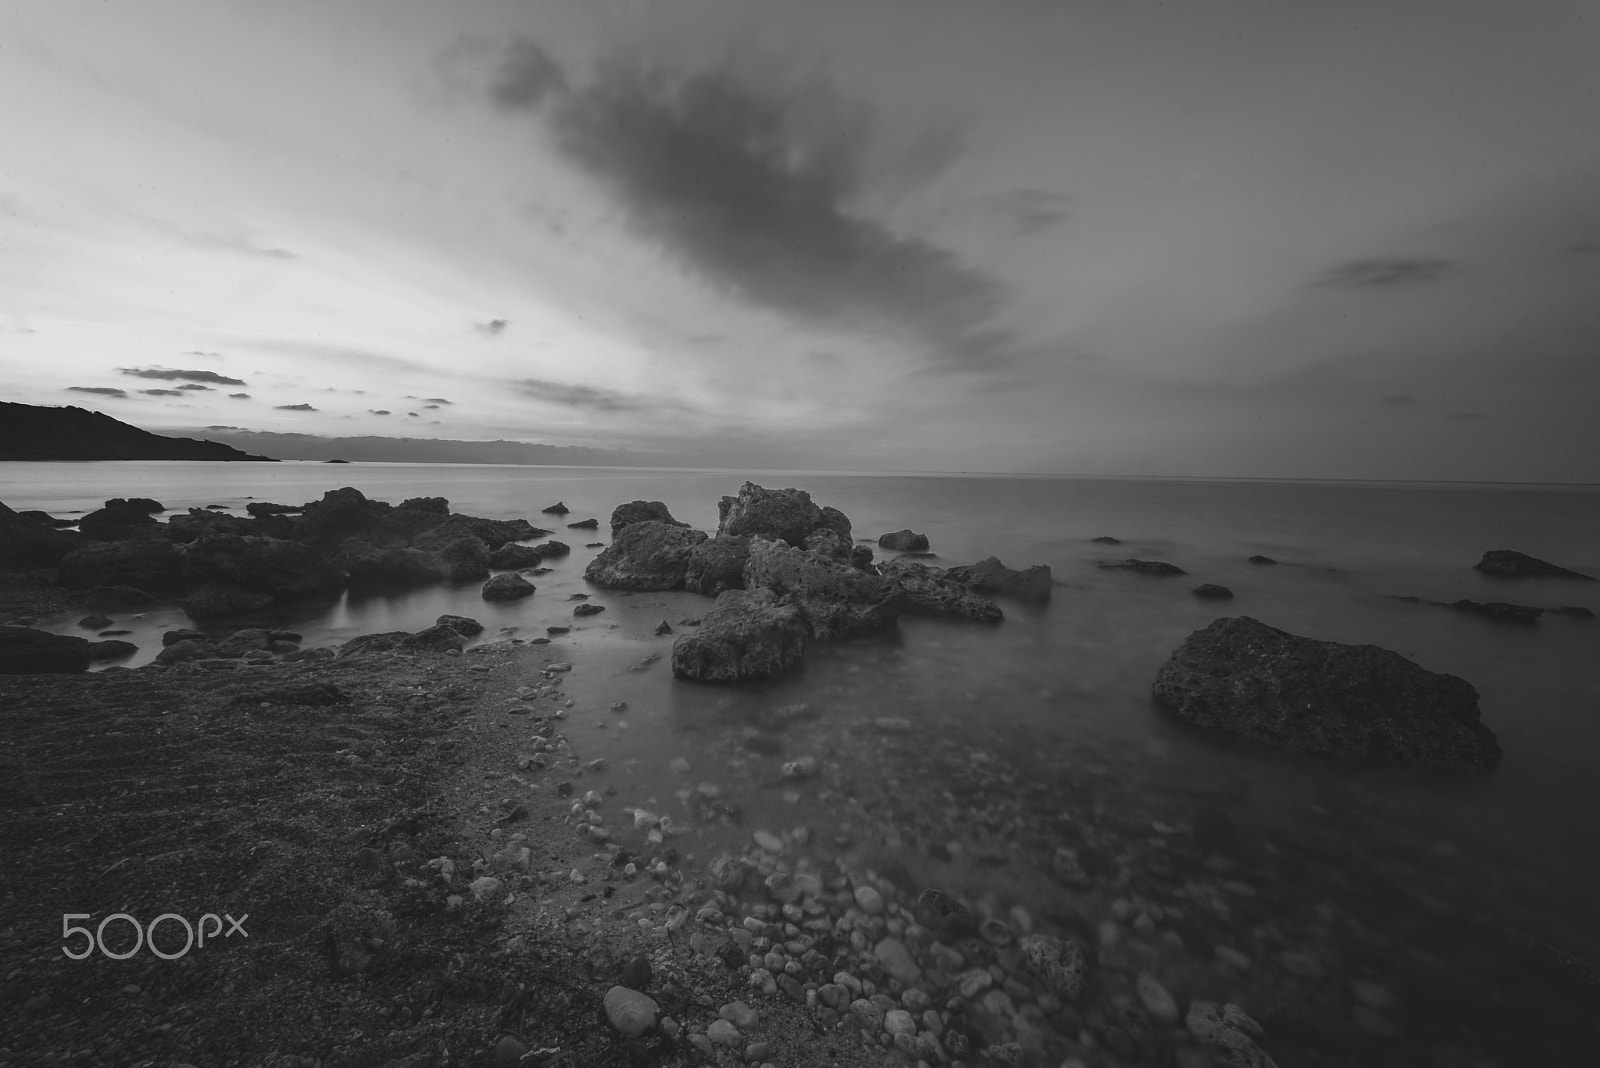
<point>786,572</point>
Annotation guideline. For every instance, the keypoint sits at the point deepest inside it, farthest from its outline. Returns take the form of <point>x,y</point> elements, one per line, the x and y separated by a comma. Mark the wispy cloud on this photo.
<point>196,385</point>
<point>340,353</point>
<point>379,411</point>
<point>103,391</point>
<point>492,328</point>
<point>1383,272</point>
<point>293,408</point>
<point>592,398</point>
<point>161,392</point>
<point>167,374</point>
<point>239,396</point>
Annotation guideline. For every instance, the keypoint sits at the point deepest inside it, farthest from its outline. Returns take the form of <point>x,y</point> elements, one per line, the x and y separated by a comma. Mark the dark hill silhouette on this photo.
<point>36,432</point>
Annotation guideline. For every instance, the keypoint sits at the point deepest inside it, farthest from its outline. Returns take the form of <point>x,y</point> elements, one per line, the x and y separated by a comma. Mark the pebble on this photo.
<point>899,1022</point>
<point>768,841</point>
<point>509,1050</point>
<point>1059,962</point>
<point>1371,994</point>
<point>1161,1005</point>
<point>723,1033</point>
<point>897,961</point>
<point>629,1011</point>
<point>739,1014</point>
<point>869,900</point>
<point>1232,958</point>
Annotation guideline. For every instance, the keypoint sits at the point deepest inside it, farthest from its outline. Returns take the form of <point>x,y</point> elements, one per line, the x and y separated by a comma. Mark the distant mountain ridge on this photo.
<point>372,448</point>
<point>39,433</point>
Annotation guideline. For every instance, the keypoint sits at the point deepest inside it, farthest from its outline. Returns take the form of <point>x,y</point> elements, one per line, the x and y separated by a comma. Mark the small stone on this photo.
<point>897,961</point>
<point>869,900</point>
<point>1372,994</point>
<point>899,1022</point>
<point>629,1011</point>
<point>487,889</point>
<point>1059,962</point>
<point>509,1050</point>
<point>768,841</point>
<point>739,1014</point>
<point>1157,1001</point>
<point>723,1033</point>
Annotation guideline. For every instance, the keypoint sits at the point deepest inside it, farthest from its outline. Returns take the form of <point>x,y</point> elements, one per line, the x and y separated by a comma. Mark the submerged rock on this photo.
<point>748,634</point>
<point>559,508</point>
<point>1506,613</point>
<point>907,541</point>
<point>1059,962</point>
<point>989,575</point>
<point>1511,564</point>
<point>1210,591</point>
<point>647,555</point>
<point>1353,701</point>
<point>1259,559</point>
<point>1144,567</point>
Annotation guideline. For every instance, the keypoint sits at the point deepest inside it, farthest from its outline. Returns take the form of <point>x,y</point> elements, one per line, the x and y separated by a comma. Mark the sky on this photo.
<point>1233,238</point>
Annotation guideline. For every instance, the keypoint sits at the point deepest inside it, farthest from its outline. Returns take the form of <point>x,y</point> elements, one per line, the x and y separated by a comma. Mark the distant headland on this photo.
<point>37,432</point>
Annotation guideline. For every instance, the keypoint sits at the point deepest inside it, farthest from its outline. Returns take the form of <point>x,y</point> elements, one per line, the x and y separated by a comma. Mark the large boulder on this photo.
<point>198,522</point>
<point>150,564</point>
<point>717,564</point>
<point>218,601</point>
<point>507,586</point>
<point>1353,701</point>
<point>835,599</point>
<point>492,532</point>
<point>786,514</point>
<point>28,651</point>
<point>1143,567</point>
<point>640,512</point>
<point>989,575</point>
<point>836,521</point>
<point>929,590</point>
<point>905,541</point>
<point>341,514</point>
<point>825,541</point>
<point>647,555</point>
<point>462,559</point>
<point>439,638</point>
<point>27,542</point>
<point>748,634</point>
<point>372,566</point>
<point>284,570</point>
<point>1508,563</point>
<point>121,518</point>
<point>512,556</point>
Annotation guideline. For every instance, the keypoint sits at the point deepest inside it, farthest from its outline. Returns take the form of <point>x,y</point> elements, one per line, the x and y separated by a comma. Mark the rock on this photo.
<point>488,889</point>
<point>868,900</point>
<point>897,961</point>
<point>1511,564</point>
<point>260,509</point>
<point>512,556</point>
<point>1059,962</point>
<point>835,600</point>
<point>788,515</point>
<point>899,1022</point>
<point>723,1033</point>
<point>110,650</point>
<point>624,515</point>
<point>465,626</point>
<point>220,602</point>
<point>717,564</point>
<point>314,694</point>
<point>281,569</point>
<point>149,564</point>
<point>1499,610</point>
<point>95,622</point>
<point>121,518</point>
<point>548,549</point>
<point>29,651</point>
<point>1575,611</point>
<point>462,559</point>
<point>740,1015</point>
<point>117,598</point>
<point>645,555</point>
<point>928,590</point>
<point>430,532</point>
<point>1106,539</point>
<point>434,639</point>
<point>588,609</point>
<point>663,628</point>
<point>373,643</point>
<point>1161,1005</point>
<point>187,649</point>
<point>28,542</point>
<point>507,586</point>
<point>1210,591</point>
<point>1258,559</point>
<point>1144,567</point>
<point>585,524</point>
<point>509,1051</point>
<point>748,634</point>
<point>1354,701</point>
<point>559,508</point>
<point>906,541</point>
<point>938,911</point>
<point>629,1011</point>
<point>1033,584</point>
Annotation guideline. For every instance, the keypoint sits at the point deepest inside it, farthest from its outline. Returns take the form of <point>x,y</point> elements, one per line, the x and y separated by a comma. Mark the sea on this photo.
<point>1472,899</point>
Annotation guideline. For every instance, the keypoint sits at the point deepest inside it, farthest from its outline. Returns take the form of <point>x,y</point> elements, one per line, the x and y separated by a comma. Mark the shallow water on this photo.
<point>1041,730</point>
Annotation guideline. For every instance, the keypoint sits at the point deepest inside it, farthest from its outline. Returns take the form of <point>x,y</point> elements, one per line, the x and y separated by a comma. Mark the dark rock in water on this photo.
<point>111,650</point>
<point>1144,567</point>
<point>1506,613</point>
<point>1106,539</point>
<point>465,626</point>
<point>835,599</point>
<point>336,461</point>
<point>989,575</point>
<point>215,602</point>
<point>46,519</point>
<point>904,541</point>
<point>260,509</point>
<point>825,541</point>
<point>492,532</point>
<point>557,630</point>
<point>188,649</point>
<point>374,643</point>
<point>548,549</point>
<point>512,556</point>
<point>1259,559</point>
<point>588,609</point>
<point>25,542</point>
<point>341,514</point>
<point>559,508</point>
<point>624,515</point>
<point>1353,701</point>
<point>1512,564</point>
<point>95,622</point>
<point>748,634</point>
<point>1577,611</point>
<point>647,555</point>
<point>198,522</point>
<point>1210,591</point>
<point>663,628</point>
<point>463,559</point>
<point>507,586</point>
<point>149,564</point>
<point>114,633</point>
<point>938,911</point>
<point>284,570</point>
<point>432,505</point>
<point>369,565</point>
<point>861,558</point>
<point>930,590</point>
<point>121,518</point>
<point>717,564</point>
<point>786,514</point>
<point>585,524</point>
<point>434,639</point>
<point>173,637</point>
<point>29,651</point>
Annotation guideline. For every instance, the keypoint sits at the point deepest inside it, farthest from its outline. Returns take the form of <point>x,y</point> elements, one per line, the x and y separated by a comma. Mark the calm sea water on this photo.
<point>1060,694</point>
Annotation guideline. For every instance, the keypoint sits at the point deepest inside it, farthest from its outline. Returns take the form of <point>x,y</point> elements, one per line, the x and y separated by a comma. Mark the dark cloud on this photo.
<point>760,191</point>
<point>204,355</point>
<point>103,391</point>
<point>293,408</point>
<point>412,414</point>
<point>493,327</point>
<point>196,385</point>
<point>240,396</point>
<point>1398,400</point>
<point>167,374</point>
<point>379,411</point>
<point>437,400</point>
<point>1386,271</point>
<point>219,427</point>
<point>161,392</point>
<point>1467,416</point>
<point>589,398</point>
<point>426,407</point>
<point>1032,211</point>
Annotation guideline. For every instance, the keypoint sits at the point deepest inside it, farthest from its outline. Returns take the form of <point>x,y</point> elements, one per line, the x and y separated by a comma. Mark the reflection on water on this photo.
<point>1039,736</point>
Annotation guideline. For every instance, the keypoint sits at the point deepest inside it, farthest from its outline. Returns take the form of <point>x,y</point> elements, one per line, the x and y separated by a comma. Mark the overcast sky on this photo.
<point>1299,239</point>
